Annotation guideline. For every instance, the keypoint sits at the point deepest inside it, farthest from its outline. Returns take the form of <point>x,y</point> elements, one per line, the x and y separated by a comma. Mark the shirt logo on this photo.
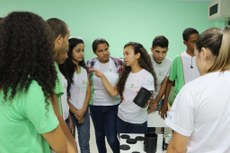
<point>132,85</point>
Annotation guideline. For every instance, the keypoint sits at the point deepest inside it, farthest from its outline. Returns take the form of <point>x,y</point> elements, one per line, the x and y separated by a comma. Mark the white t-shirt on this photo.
<point>161,71</point>
<point>65,106</point>
<point>78,88</point>
<point>128,111</point>
<point>189,67</point>
<point>100,95</point>
<point>201,111</point>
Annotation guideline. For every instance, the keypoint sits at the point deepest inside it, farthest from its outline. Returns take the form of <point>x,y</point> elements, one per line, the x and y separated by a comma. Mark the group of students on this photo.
<point>46,87</point>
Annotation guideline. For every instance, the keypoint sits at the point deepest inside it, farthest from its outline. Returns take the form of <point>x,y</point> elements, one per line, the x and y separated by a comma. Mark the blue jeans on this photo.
<point>83,131</point>
<point>125,127</point>
<point>104,120</point>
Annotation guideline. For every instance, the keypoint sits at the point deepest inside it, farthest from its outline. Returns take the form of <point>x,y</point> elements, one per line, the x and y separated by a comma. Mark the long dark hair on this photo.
<point>26,54</point>
<point>144,61</point>
<point>68,68</point>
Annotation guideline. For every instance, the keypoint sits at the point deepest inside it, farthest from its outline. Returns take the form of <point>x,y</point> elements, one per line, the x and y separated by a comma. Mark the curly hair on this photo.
<point>26,54</point>
<point>68,68</point>
<point>144,62</point>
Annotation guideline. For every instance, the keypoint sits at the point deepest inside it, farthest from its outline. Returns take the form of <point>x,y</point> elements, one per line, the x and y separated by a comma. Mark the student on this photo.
<point>78,91</point>
<point>103,107</point>
<point>161,64</point>
<point>183,67</point>
<point>27,81</point>
<point>61,35</point>
<point>64,98</point>
<point>200,113</point>
<point>138,72</point>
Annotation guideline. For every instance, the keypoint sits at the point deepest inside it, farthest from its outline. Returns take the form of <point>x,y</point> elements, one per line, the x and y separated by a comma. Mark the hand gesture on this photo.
<point>98,73</point>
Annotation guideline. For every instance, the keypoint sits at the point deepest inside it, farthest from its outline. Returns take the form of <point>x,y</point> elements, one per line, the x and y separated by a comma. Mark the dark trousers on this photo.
<point>125,127</point>
<point>105,125</point>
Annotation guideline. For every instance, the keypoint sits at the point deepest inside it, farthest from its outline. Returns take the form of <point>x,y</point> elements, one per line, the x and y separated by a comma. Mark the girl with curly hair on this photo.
<point>27,81</point>
<point>138,72</point>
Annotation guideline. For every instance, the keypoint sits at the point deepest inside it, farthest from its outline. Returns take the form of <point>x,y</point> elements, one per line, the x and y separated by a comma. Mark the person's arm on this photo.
<point>110,89</point>
<point>152,105</point>
<point>178,144</point>
<point>159,96</point>
<point>57,140</point>
<point>73,109</point>
<point>164,109</point>
<point>162,90</point>
<point>71,125</point>
<point>72,146</point>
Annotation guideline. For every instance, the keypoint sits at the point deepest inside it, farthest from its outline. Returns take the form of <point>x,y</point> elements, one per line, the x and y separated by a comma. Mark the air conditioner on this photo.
<point>219,10</point>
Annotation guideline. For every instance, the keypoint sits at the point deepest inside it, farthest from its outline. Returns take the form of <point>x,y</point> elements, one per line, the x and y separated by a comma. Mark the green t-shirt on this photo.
<point>58,87</point>
<point>176,74</point>
<point>24,119</point>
